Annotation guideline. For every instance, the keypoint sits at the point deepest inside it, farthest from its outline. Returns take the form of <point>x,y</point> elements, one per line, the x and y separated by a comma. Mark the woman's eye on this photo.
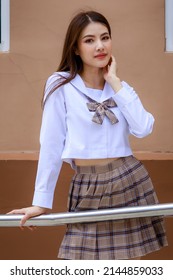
<point>89,41</point>
<point>105,38</point>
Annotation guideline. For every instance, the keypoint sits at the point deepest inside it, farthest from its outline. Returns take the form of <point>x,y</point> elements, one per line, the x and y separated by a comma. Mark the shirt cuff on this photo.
<point>124,96</point>
<point>43,199</point>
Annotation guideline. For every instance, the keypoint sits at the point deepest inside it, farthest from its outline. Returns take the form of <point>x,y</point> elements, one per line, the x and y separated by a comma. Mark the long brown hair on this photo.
<point>70,62</point>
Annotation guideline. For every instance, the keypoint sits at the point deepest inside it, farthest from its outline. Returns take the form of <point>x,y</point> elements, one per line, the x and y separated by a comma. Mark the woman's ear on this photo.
<point>76,51</point>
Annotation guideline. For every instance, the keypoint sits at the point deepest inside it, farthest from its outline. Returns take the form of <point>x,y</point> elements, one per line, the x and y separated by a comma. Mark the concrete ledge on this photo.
<point>33,155</point>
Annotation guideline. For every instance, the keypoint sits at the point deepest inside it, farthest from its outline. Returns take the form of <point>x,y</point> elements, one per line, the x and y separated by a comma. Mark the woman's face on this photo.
<point>94,46</point>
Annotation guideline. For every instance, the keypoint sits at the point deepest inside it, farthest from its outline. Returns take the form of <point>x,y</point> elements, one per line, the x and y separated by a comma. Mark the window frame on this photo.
<point>5,26</point>
<point>168,26</point>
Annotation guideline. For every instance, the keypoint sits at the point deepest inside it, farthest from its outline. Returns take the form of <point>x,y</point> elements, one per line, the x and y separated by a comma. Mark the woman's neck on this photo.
<point>93,79</point>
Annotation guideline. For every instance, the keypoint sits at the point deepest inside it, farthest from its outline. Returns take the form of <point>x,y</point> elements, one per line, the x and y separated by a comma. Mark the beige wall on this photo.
<point>37,33</point>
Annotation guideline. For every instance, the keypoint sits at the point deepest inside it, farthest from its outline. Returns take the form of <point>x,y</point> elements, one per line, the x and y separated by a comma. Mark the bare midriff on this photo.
<point>89,162</point>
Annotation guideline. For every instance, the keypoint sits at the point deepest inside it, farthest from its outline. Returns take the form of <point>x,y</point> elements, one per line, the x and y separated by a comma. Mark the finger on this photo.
<point>22,228</point>
<point>24,219</point>
<point>17,211</point>
<point>113,60</point>
<point>32,228</point>
<point>12,212</point>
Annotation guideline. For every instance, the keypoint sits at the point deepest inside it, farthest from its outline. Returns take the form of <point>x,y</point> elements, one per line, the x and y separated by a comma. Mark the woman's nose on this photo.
<point>100,45</point>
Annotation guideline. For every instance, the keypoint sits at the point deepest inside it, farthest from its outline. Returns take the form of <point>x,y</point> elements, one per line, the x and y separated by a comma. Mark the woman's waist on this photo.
<point>91,162</point>
<point>103,167</point>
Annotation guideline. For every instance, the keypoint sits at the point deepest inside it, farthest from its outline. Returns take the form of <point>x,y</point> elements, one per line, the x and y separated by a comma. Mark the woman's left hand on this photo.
<point>110,71</point>
<point>110,74</point>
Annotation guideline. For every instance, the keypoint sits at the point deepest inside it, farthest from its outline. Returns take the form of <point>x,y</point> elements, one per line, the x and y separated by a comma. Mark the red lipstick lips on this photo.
<point>101,55</point>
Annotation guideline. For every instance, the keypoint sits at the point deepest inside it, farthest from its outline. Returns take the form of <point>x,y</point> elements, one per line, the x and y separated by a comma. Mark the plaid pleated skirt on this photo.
<point>121,183</point>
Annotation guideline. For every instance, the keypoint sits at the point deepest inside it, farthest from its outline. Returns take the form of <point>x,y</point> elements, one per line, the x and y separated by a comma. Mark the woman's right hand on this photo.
<point>28,213</point>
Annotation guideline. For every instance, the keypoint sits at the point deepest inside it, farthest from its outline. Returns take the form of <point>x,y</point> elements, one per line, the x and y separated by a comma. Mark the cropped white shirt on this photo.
<point>68,132</point>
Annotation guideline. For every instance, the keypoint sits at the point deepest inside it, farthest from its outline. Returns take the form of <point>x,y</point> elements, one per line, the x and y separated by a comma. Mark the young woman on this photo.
<point>87,118</point>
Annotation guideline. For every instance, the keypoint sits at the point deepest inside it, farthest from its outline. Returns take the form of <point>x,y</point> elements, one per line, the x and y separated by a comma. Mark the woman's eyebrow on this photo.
<point>91,35</point>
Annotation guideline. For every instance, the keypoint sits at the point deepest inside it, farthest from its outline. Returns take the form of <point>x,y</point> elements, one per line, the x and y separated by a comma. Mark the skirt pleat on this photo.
<point>122,183</point>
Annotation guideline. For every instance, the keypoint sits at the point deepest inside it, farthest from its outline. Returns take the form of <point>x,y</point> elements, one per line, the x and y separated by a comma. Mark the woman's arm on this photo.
<point>52,138</point>
<point>139,120</point>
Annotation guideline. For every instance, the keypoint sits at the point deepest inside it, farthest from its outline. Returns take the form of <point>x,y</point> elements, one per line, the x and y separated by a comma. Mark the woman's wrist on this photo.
<point>116,84</point>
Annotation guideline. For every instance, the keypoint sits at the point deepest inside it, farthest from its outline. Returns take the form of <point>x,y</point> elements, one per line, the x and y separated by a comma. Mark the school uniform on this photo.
<point>83,123</point>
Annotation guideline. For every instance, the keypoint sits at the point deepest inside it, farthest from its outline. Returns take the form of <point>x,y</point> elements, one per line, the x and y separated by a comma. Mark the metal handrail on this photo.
<point>89,216</point>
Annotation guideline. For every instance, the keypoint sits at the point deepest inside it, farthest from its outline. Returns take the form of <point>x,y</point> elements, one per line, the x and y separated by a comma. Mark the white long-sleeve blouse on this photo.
<point>68,132</point>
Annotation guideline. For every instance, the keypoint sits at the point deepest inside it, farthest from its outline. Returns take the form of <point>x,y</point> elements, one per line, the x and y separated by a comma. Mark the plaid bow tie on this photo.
<point>102,109</point>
